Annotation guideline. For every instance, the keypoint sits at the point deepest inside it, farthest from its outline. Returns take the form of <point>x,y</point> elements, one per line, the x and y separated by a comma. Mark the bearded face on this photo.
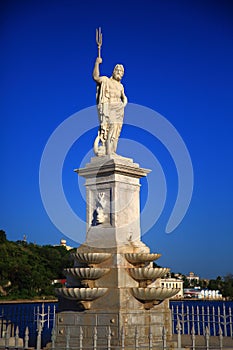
<point>118,72</point>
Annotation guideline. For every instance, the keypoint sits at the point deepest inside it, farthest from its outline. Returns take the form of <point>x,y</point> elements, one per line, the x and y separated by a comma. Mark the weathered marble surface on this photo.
<point>113,204</point>
<point>122,296</point>
<point>113,244</point>
<point>111,101</point>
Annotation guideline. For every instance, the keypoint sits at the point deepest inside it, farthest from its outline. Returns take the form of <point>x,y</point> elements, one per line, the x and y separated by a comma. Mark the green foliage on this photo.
<point>186,282</point>
<point>2,236</point>
<point>224,285</point>
<point>203,284</point>
<point>227,290</point>
<point>27,270</point>
<point>216,284</point>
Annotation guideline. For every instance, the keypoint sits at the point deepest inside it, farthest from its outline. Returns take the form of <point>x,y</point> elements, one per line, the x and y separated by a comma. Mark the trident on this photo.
<point>99,40</point>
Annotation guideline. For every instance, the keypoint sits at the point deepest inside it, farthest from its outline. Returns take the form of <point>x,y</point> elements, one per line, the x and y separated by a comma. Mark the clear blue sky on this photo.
<point>178,57</point>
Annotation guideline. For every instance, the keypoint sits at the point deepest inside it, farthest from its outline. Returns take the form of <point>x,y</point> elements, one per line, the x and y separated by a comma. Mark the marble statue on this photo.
<point>100,207</point>
<point>113,282</point>
<point>111,101</point>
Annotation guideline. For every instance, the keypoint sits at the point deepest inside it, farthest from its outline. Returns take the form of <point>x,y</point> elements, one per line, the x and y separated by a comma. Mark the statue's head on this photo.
<point>118,72</point>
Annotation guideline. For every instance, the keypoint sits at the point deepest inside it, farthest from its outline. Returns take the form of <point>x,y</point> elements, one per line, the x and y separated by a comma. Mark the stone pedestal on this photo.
<point>113,204</point>
<point>109,285</point>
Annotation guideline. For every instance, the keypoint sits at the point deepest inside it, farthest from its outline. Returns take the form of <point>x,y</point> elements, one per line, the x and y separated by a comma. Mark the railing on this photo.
<point>207,339</point>
<point>15,343</point>
<point>107,343</point>
<point>42,318</point>
<point>211,325</point>
<point>10,339</point>
<point>29,315</point>
<point>199,318</point>
<point>4,325</point>
<point>40,323</point>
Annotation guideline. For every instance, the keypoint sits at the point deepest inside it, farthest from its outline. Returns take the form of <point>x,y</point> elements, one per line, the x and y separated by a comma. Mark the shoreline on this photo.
<point>197,299</point>
<point>28,301</point>
<point>31,301</point>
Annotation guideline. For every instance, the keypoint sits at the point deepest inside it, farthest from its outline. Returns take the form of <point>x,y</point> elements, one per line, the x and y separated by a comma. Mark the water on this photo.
<point>26,315</point>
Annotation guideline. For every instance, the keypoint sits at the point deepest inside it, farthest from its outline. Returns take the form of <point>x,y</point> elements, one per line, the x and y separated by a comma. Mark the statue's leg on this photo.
<point>116,135</point>
<point>110,139</point>
<point>109,146</point>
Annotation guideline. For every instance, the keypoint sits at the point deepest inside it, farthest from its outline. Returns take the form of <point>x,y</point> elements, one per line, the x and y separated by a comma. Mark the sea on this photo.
<point>29,314</point>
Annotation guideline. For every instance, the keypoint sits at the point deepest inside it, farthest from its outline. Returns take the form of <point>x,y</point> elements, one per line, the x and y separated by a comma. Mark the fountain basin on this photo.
<point>147,273</point>
<point>81,294</point>
<point>139,259</point>
<point>91,258</point>
<point>153,294</point>
<point>86,273</point>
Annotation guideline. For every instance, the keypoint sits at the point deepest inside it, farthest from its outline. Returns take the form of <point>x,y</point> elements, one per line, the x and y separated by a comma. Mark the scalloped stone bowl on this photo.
<point>147,273</point>
<point>91,258</point>
<point>86,273</point>
<point>81,294</point>
<point>154,294</point>
<point>135,258</point>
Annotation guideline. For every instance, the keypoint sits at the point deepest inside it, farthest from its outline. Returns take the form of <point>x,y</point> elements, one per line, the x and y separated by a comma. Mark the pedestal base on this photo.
<point>105,309</point>
<point>126,327</point>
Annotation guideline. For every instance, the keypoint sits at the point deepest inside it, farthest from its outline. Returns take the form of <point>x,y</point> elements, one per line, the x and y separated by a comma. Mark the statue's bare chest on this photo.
<point>115,88</point>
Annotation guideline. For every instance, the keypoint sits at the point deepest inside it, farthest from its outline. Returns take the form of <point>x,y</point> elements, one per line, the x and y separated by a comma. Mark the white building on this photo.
<point>204,294</point>
<point>210,294</point>
<point>173,283</point>
<point>192,278</point>
<point>63,244</point>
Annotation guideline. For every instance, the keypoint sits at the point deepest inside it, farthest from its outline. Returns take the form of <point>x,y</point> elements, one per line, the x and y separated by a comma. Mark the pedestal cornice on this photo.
<point>108,165</point>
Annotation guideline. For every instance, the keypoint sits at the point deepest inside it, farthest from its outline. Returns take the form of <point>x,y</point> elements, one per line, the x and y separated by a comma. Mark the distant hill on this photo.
<point>27,270</point>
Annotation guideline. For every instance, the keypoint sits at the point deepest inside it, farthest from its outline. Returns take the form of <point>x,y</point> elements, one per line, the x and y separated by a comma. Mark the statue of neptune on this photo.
<point>111,101</point>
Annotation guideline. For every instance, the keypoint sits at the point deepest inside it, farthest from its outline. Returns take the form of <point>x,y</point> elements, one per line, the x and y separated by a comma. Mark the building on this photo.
<point>205,294</point>
<point>211,294</point>
<point>194,293</point>
<point>63,244</point>
<point>173,283</point>
<point>193,279</point>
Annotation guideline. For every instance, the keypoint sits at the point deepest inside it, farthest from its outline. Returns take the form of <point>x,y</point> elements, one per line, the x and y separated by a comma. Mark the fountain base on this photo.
<point>125,311</point>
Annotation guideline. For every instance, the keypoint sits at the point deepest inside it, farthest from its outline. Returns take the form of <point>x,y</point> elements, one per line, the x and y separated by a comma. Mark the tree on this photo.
<point>203,283</point>
<point>186,282</point>
<point>27,270</point>
<point>2,236</point>
<point>228,286</point>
